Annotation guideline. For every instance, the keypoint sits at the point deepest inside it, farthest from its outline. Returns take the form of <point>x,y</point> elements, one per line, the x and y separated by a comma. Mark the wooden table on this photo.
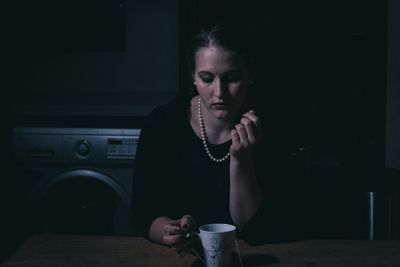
<point>76,251</point>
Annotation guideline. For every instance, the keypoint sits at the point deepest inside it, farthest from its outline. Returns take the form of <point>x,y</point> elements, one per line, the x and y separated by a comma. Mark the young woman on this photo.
<point>198,157</point>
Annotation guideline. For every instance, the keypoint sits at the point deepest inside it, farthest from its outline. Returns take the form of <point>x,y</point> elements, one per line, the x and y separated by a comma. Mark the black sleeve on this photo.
<point>150,163</point>
<point>280,217</point>
<point>156,184</point>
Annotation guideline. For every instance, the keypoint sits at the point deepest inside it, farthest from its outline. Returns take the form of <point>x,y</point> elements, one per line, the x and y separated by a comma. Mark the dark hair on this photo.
<point>237,38</point>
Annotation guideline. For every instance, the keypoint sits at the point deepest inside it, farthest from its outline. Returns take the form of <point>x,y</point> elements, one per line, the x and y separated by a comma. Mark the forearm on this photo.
<point>245,194</point>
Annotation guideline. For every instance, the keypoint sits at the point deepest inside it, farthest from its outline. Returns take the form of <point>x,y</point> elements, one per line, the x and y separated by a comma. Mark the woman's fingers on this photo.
<point>175,231</point>
<point>243,137</point>
<point>187,223</point>
<point>252,124</point>
<point>171,240</point>
<point>250,128</point>
<point>172,229</point>
<point>246,133</point>
<point>235,138</point>
<point>253,117</point>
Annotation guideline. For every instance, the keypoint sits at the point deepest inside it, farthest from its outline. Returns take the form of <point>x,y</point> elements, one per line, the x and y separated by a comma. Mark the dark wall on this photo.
<point>114,58</point>
<point>393,88</point>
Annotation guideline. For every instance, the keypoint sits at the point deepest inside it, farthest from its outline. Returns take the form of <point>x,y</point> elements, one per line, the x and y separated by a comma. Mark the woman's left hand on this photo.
<point>245,136</point>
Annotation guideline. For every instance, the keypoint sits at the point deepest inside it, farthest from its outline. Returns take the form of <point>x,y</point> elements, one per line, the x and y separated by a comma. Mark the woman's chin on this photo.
<point>223,114</point>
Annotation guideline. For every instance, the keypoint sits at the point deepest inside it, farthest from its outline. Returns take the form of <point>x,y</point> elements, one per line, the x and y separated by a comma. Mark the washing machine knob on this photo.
<point>83,148</point>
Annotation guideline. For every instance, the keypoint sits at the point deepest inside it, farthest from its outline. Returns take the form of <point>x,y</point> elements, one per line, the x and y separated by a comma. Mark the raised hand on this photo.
<point>246,134</point>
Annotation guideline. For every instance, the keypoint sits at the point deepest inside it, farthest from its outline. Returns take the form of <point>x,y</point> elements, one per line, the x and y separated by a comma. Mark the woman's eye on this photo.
<point>207,78</point>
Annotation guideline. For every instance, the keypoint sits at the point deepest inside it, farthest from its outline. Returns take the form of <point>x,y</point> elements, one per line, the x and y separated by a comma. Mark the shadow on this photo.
<point>197,263</point>
<point>258,260</point>
<point>247,260</point>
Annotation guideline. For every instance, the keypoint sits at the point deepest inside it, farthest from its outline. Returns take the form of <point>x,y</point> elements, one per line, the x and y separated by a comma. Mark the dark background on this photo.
<point>322,86</point>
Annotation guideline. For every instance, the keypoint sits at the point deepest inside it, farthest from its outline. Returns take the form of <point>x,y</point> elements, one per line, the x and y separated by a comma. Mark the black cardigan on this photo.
<point>173,176</point>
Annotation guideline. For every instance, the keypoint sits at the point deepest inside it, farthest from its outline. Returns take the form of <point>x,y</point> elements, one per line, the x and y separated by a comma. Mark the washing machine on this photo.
<point>75,180</point>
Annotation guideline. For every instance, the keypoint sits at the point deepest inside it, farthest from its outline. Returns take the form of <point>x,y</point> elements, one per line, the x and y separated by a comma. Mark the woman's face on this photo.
<point>221,81</point>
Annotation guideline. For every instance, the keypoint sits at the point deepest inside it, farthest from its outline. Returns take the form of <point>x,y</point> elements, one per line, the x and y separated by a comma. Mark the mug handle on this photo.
<point>197,248</point>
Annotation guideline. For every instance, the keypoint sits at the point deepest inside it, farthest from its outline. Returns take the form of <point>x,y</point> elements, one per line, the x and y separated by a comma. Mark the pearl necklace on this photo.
<point>204,137</point>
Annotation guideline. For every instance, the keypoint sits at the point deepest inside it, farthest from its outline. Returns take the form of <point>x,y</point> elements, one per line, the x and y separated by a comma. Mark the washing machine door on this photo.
<point>81,201</point>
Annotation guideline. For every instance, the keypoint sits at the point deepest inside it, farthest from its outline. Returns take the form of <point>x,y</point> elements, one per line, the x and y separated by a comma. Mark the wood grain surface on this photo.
<point>79,251</point>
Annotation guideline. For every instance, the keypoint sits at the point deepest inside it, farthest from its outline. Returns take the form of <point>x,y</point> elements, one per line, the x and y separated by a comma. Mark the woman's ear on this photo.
<point>194,81</point>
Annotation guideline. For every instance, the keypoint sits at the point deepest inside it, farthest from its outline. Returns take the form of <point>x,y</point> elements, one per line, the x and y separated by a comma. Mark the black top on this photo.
<point>174,176</point>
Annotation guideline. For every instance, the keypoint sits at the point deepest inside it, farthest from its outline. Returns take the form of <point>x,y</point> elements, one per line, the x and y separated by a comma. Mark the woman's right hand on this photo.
<point>245,136</point>
<point>172,232</point>
<point>175,231</point>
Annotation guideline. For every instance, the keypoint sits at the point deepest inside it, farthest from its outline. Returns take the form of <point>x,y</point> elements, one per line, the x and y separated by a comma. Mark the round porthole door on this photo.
<point>82,201</point>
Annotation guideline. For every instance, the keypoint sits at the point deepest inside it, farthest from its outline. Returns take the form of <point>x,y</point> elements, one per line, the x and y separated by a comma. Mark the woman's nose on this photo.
<point>219,88</point>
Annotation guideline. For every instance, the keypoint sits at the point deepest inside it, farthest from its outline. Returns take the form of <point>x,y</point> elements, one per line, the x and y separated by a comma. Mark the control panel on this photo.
<point>78,145</point>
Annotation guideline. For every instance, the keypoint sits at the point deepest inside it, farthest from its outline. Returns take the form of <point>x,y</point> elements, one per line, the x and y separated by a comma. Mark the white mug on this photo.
<point>219,243</point>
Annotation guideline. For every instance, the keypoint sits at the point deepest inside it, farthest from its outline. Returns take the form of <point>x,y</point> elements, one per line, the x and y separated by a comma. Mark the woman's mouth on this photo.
<point>220,105</point>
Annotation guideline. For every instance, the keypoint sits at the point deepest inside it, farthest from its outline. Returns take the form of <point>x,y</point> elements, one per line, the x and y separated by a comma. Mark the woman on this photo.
<point>196,158</point>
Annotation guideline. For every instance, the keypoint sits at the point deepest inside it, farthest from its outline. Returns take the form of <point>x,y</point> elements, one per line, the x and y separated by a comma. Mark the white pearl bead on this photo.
<point>204,137</point>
